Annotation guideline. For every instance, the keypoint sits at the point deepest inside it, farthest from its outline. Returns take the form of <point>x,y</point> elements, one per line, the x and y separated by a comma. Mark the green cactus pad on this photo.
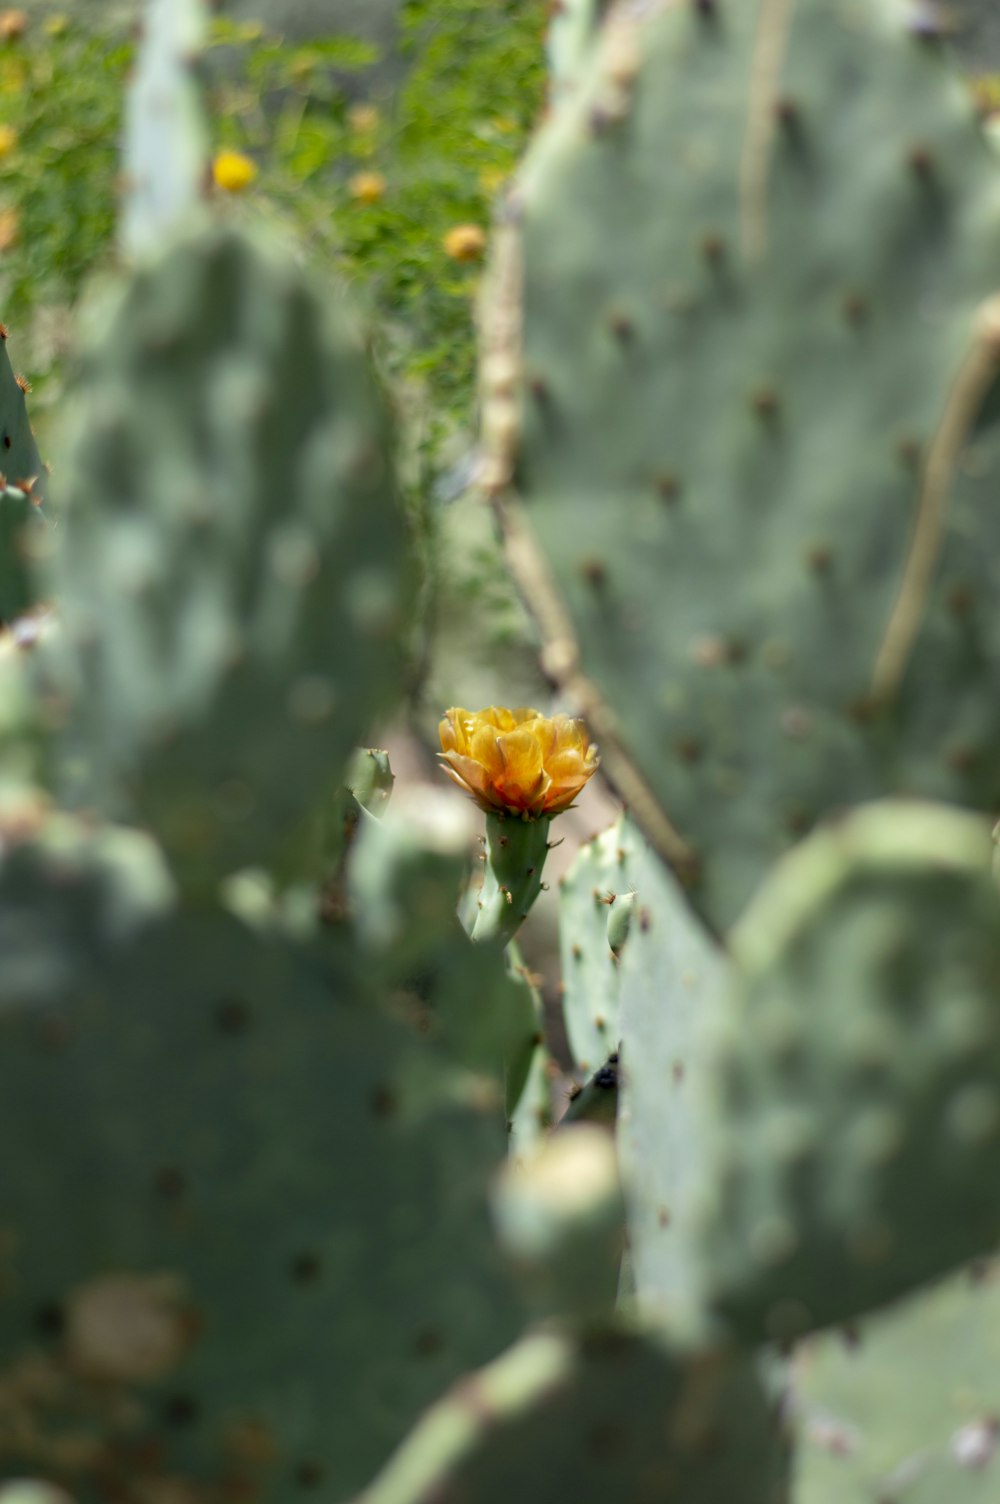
<point>405,874</point>
<point>753,264</point>
<point>20,524</point>
<point>245,1230</point>
<point>855,1073</point>
<point>609,1416</point>
<point>905,1405</point>
<point>672,978</point>
<point>20,461</point>
<point>589,893</point>
<point>234,572</point>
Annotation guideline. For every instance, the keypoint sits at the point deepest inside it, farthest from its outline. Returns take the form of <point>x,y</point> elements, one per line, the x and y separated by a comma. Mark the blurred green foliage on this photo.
<point>370,178</point>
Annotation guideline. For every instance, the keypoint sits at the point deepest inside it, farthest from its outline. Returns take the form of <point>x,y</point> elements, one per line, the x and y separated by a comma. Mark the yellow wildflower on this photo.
<point>517,760</point>
<point>362,119</point>
<point>367,187</point>
<point>492,179</point>
<point>233,171</point>
<point>465,243</point>
<point>8,140</point>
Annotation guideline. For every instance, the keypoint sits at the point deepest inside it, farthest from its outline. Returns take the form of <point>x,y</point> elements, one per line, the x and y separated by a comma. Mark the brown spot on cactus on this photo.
<point>232,1017</point>
<point>959,600</point>
<point>908,451</point>
<point>820,558</point>
<point>689,749</point>
<point>306,1269</point>
<point>169,1182</point>
<point>788,114</point>
<point>765,404</point>
<point>712,248</point>
<point>309,1474</point>
<point>129,1328</point>
<point>383,1102</point>
<point>621,327</point>
<point>668,485</point>
<point>594,572</point>
<point>920,160</point>
<point>855,309</point>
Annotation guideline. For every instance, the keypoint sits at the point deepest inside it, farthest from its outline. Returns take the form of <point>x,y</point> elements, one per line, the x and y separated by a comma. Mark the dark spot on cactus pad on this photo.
<point>594,572</point>
<point>819,558</point>
<point>707,9</point>
<point>851,1336</point>
<point>181,1410</point>
<point>712,248</point>
<point>689,749</point>
<point>540,390</point>
<point>169,1182</point>
<point>606,1441</point>
<point>232,1017</point>
<point>663,1217</point>
<point>621,327</point>
<point>309,1474</point>
<point>55,1032</point>
<point>306,1269</point>
<point>427,1343</point>
<point>920,160</point>
<point>576,952</point>
<point>645,921</point>
<point>677,1072</point>
<point>383,1102</point>
<point>908,451</point>
<point>765,404</point>
<point>855,309</point>
<point>7,441</point>
<point>959,600</point>
<point>788,113</point>
<point>796,820</point>
<point>49,1319</point>
<point>668,485</point>
<point>962,759</point>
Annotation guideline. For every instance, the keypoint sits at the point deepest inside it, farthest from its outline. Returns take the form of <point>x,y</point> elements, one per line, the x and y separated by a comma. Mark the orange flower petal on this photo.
<point>517,760</point>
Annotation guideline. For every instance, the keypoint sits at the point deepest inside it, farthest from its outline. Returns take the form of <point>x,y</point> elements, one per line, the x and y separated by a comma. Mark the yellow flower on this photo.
<point>517,760</point>
<point>8,140</point>
<point>367,187</point>
<point>233,171</point>
<point>362,119</point>
<point>465,243</point>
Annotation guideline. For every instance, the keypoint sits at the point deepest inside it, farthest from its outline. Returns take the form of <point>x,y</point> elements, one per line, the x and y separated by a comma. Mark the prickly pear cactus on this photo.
<point>905,1404</point>
<point>166,147</point>
<point>855,1105</point>
<point>20,463</point>
<point>231,525</point>
<point>610,1414</point>
<point>233,1138</point>
<point>21,525</point>
<point>589,893</point>
<point>729,416</point>
<point>672,977</point>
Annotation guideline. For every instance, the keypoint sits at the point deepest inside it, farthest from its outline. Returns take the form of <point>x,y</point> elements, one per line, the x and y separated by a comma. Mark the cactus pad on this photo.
<point>756,258</point>
<point>856,1073</point>
<point>234,574</point>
